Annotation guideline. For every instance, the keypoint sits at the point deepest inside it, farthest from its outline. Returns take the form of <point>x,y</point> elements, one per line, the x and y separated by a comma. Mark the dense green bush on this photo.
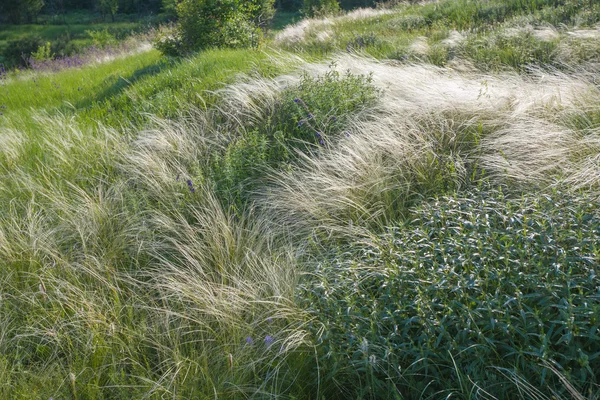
<point>230,23</point>
<point>102,38</point>
<point>467,293</point>
<point>18,51</point>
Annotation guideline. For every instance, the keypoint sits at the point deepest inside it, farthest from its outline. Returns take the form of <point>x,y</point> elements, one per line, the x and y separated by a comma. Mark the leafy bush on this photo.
<point>469,292</point>
<point>43,53</point>
<point>18,51</point>
<point>230,23</point>
<point>102,38</point>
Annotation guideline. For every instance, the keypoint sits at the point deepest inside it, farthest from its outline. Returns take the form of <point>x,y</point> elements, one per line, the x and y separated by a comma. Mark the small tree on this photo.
<point>31,9</point>
<point>109,7</point>
<point>55,7</point>
<point>234,23</point>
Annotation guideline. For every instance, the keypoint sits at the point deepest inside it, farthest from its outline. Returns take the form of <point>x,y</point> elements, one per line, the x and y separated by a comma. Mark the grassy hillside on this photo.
<point>393,203</point>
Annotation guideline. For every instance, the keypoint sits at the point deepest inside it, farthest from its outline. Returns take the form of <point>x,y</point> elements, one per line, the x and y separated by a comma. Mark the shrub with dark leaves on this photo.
<point>469,292</point>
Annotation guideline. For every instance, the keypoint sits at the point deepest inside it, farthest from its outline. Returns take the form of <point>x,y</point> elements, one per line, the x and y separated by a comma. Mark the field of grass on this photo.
<point>393,203</point>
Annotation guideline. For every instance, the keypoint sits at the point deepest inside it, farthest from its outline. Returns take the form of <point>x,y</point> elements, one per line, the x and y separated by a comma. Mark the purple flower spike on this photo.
<point>249,341</point>
<point>189,183</point>
<point>296,100</point>
<point>192,190</point>
<point>318,134</point>
<point>269,340</point>
<point>300,123</point>
<point>322,142</point>
<point>310,116</point>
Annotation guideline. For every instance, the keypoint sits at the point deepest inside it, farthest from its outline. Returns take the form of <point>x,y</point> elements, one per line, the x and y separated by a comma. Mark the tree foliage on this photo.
<point>109,7</point>
<point>17,11</point>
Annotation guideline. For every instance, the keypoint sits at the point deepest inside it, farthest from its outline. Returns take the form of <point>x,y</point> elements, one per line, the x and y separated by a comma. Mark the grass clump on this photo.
<point>470,286</point>
<point>301,120</point>
<point>516,51</point>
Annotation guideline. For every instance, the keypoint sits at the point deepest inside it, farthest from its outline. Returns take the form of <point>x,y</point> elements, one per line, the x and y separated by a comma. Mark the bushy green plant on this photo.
<point>18,51</point>
<point>470,289</point>
<point>168,41</point>
<point>102,38</point>
<point>43,52</point>
<point>231,23</point>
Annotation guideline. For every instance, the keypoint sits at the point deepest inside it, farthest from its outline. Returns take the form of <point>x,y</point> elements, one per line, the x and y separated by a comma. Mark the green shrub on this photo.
<point>18,51</point>
<point>229,23</point>
<point>43,53</point>
<point>468,291</point>
<point>102,39</point>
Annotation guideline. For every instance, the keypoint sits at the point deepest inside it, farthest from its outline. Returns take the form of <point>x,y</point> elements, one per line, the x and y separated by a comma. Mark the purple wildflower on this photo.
<point>322,142</point>
<point>269,340</point>
<point>301,122</point>
<point>318,134</point>
<point>270,320</point>
<point>191,185</point>
<point>249,341</point>
<point>296,100</point>
<point>310,116</point>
